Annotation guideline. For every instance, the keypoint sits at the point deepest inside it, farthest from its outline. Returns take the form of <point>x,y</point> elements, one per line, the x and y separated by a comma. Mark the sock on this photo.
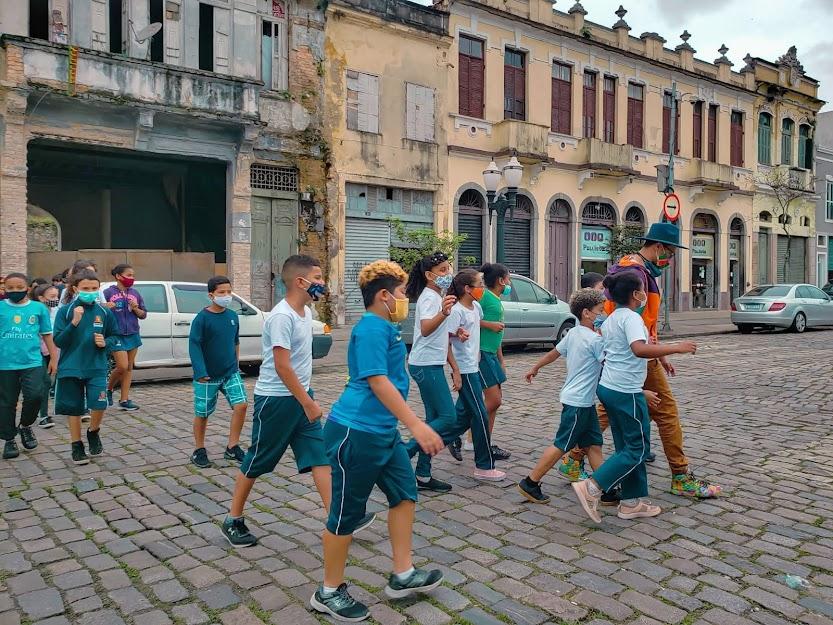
<point>404,575</point>
<point>532,482</point>
<point>327,591</point>
<point>594,490</point>
<point>629,503</point>
<point>424,480</point>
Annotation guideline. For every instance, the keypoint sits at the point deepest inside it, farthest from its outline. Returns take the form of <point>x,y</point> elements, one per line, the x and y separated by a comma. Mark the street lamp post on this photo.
<point>512,172</point>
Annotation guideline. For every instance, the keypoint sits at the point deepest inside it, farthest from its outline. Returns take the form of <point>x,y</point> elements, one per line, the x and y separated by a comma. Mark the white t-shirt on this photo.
<point>433,349</point>
<point>285,328</point>
<point>583,350</point>
<point>623,371</point>
<point>466,353</point>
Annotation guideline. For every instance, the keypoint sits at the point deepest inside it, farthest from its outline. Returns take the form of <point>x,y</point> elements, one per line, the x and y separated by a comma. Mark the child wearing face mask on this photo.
<point>214,347</point>
<point>128,307</point>
<point>626,353</point>
<point>47,295</point>
<point>83,328</point>
<point>24,324</point>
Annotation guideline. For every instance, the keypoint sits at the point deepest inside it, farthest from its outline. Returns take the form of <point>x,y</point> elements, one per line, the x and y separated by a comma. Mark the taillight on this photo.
<point>776,306</point>
<point>734,308</point>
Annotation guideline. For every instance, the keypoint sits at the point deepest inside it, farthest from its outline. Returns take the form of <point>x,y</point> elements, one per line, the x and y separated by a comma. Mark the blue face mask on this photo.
<point>316,290</point>
<point>598,321</point>
<point>653,269</point>
<point>443,282</point>
<point>507,290</point>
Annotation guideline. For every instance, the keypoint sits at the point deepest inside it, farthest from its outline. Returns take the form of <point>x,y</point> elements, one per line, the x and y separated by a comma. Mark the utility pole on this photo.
<point>669,188</point>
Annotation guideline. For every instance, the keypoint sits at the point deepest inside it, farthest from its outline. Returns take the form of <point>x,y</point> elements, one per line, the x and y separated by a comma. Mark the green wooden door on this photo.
<point>274,239</point>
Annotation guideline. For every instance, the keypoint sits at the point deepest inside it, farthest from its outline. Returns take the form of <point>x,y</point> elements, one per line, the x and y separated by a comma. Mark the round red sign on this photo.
<point>671,207</point>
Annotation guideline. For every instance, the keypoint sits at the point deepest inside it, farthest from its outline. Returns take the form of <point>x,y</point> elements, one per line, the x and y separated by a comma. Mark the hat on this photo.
<point>665,233</point>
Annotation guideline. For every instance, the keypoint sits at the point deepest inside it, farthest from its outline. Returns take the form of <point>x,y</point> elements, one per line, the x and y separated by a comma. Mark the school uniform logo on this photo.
<point>98,323</point>
<point>232,322</point>
<point>17,318</point>
<point>32,319</point>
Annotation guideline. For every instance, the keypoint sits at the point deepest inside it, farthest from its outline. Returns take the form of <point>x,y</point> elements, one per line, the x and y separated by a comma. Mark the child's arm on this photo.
<point>642,349</point>
<point>494,326</point>
<point>391,399</point>
<point>65,328</point>
<point>53,354</point>
<point>138,307</point>
<point>286,373</point>
<point>456,378</point>
<point>195,350</point>
<point>429,326</point>
<point>547,359</point>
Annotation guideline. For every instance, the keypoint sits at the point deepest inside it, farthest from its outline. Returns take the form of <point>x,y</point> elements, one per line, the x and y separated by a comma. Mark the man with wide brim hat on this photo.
<point>659,246</point>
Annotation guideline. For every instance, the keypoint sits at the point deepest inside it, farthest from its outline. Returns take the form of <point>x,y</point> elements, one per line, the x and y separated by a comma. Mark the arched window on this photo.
<point>765,216</point>
<point>705,222</point>
<point>805,147</point>
<point>736,226</point>
<point>634,217</point>
<point>787,132</point>
<point>470,223</point>
<point>599,213</point>
<point>560,211</point>
<point>765,139</point>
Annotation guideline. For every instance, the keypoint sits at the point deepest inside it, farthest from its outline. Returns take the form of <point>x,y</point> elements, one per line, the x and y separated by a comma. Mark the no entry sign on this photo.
<point>671,207</point>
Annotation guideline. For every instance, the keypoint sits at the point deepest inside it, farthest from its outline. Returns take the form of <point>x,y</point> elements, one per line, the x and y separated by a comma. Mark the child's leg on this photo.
<point>235,392</point>
<point>47,385</point>
<point>322,477</point>
<point>9,392</point>
<point>74,428</point>
<point>31,385</point>
<point>200,425</point>
<point>471,403</point>
<point>242,489</point>
<point>205,402</point>
<point>594,456</point>
<point>238,418</point>
<point>440,413</point>
<point>494,399</point>
<point>96,401</point>
<point>96,416</point>
<point>335,557</point>
<point>548,459</point>
<point>119,369</point>
<point>578,454</point>
<point>401,528</point>
<point>127,375</point>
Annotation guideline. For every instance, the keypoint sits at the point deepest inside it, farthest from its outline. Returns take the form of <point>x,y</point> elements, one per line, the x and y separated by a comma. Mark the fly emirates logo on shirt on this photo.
<point>18,332</point>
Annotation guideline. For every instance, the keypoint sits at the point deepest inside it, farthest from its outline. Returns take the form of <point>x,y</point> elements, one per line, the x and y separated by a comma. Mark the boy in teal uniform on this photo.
<point>365,449</point>
<point>214,347</point>
<point>22,324</point>
<point>82,328</point>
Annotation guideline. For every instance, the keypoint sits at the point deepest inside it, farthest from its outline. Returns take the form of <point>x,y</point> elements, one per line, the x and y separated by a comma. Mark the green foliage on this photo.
<point>624,240</point>
<point>419,242</point>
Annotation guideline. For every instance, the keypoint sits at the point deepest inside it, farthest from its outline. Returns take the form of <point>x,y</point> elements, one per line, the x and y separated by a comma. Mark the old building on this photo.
<point>182,135</point>
<point>785,203</point>
<point>824,199</point>
<point>386,81</point>
<point>587,108</point>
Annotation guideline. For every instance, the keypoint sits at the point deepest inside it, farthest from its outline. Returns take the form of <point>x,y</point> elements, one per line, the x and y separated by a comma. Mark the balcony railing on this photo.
<point>714,176</point>
<point>606,157</point>
<point>528,140</point>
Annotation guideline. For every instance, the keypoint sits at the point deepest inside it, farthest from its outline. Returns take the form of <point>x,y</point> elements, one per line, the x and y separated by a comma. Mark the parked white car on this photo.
<point>172,306</point>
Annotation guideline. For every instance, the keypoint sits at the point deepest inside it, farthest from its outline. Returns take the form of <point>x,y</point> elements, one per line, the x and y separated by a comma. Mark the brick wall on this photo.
<point>13,178</point>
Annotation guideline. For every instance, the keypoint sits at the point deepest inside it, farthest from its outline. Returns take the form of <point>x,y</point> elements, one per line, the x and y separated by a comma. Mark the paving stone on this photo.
<point>154,617</point>
<point>426,614</point>
<point>101,617</point>
<point>73,579</point>
<point>772,602</point>
<point>26,582</point>
<point>203,576</point>
<point>170,591</point>
<point>557,606</point>
<point>129,600</point>
<point>218,596</point>
<point>519,613</point>
<point>190,614</point>
<point>477,616</point>
<point>41,603</point>
<point>722,599</point>
<point>657,609</point>
<point>614,609</point>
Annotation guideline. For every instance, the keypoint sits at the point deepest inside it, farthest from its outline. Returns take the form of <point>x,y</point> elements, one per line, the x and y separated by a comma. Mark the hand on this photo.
<point>462,335</point>
<point>669,368</point>
<point>686,347</point>
<point>52,368</point>
<point>448,302</point>
<point>456,381</point>
<point>652,398</point>
<point>134,305</point>
<point>530,375</point>
<point>99,340</point>
<point>110,305</point>
<point>313,411</point>
<point>429,441</point>
<point>77,313</point>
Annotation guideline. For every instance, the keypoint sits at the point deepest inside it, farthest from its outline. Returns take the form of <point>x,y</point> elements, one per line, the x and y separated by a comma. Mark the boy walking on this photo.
<point>214,346</point>
<point>23,323</point>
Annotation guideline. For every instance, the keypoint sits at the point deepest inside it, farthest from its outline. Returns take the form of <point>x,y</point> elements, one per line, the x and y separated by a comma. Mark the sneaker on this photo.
<point>10,450</point>
<point>587,501</point>
<point>532,491</point>
<point>234,453</point>
<point>455,448</point>
<point>237,534</point>
<point>612,498</point>
<point>433,484</point>
<point>340,605</point>
<point>468,446</point>
<point>94,441</point>
<point>128,405</point>
<point>571,469</point>
<point>500,454</point>
<point>46,422</point>
<point>687,485</point>
<point>651,458</point>
<point>79,456</point>
<point>489,475</point>
<point>109,398</point>
<point>366,522</point>
<point>643,510</point>
<point>418,581</point>
<point>27,437</point>
<point>200,459</point>
<point>86,417</point>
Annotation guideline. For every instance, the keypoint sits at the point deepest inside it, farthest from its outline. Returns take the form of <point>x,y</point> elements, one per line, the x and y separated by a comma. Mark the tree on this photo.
<point>785,186</point>
<point>624,240</point>
<point>414,244</point>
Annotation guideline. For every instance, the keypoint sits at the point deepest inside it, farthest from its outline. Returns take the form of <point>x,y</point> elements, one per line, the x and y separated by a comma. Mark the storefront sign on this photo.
<point>594,243</point>
<point>734,249</point>
<point>702,246</point>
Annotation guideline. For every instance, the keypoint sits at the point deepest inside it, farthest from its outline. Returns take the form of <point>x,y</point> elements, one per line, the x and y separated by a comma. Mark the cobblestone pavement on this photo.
<point>133,537</point>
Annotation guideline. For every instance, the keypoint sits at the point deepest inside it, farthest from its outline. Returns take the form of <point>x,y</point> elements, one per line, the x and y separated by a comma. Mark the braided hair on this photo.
<point>417,280</point>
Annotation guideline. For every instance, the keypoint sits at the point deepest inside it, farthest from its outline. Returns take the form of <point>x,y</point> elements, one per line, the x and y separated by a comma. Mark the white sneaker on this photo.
<point>493,475</point>
<point>468,446</point>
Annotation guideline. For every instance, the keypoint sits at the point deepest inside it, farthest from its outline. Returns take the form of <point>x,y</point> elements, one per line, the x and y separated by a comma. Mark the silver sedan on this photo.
<point>793,306</point>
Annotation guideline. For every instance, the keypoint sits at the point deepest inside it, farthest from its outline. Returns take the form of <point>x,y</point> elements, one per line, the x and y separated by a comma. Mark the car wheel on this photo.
<point>252,369</point>
<point>745,328</point>
<point>562,331</point>
<point>799,323</point>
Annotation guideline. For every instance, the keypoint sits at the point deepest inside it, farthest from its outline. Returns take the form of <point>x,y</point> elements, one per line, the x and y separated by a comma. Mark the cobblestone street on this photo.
<point>134,537</point>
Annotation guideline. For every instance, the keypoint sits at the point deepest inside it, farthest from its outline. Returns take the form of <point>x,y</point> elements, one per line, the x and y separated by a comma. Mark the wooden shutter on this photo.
<point>514,86</point>
<point>736,139</point>
<point>477,71</point>
<point>609,110</point>
<point>463,85</point>
<point>470,77</point>
<point>712,131</point>
<point>520,93</point>
<point>362,102</point>
<point>562,98</point>
<point>589,105</point>
<point>508,91</point>
<point>697,129</point>
<point>419,115</point>
<point>635,102</point>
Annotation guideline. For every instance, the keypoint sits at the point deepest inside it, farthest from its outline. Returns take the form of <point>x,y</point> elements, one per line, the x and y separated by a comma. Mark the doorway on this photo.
<point>274,239</point>
<point>558,254</point>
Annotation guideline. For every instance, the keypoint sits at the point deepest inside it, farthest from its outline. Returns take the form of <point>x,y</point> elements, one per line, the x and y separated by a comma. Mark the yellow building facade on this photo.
<point>587,109</point>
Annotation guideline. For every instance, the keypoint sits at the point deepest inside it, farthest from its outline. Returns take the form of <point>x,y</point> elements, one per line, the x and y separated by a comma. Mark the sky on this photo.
<point>763,28</point>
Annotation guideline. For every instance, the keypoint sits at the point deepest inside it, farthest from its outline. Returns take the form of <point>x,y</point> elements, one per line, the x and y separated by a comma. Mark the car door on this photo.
<point>544,317</point>
<point>531,321</point>
<point>805,302</point>
<point>155,329</point>
<point>188,300</point>
<point>511,316</point>
<point>822,306</point>
<point>251,329</point>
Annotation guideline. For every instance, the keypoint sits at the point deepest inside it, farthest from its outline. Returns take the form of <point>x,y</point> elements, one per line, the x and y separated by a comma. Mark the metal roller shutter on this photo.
<point>366,240</point>
<point>517,241</point>
<point>472,226</point>
<point>796,271</point>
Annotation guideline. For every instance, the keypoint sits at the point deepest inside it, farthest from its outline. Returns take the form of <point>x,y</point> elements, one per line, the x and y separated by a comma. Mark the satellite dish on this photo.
<point>147,32</point>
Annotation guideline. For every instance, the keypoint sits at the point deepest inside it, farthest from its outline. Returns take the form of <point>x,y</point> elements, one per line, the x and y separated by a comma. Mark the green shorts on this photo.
<point>490,370</point>
<point>579,427</point>
<point>73,396</point>
<point>205,394</point>
<point>124,343</point>
<point>278,423</point>
<point>359,461</point>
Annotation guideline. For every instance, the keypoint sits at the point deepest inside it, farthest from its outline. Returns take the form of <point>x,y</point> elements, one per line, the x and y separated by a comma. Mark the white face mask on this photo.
<point>224,301</point>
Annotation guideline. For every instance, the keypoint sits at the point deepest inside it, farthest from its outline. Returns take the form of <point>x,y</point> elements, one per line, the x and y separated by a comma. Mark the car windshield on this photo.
<point>775,290</point>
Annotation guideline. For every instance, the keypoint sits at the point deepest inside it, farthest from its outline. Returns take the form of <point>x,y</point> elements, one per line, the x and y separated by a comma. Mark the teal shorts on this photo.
<point>490,370</point>
<point>359,461</point>
<point>278,423</point>
<point>579,427</point>
<point>73,396</point>
<point>124,343</point>
<point>205,394</point>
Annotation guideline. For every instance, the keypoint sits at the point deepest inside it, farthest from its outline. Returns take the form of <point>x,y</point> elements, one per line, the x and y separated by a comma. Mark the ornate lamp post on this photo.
<point>512,172</point>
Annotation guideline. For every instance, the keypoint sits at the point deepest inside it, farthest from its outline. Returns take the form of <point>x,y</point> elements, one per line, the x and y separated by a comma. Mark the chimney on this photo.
<point>686,52</point>
<point>621,28</point>
<point>653,44</point>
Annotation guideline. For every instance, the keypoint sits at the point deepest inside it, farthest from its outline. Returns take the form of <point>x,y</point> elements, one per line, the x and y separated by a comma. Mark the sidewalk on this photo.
<point>687,324</point>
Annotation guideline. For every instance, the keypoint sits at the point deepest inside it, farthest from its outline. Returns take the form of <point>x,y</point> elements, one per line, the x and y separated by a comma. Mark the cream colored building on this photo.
<point>586,108</point>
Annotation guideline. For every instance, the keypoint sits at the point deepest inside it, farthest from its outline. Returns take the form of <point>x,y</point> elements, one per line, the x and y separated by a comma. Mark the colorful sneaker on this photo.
<point>237,534</point>
<point>642,510</point>
<point>455,448</point>
<point>340,605</point>
<point>128,405</point>
<point>687,485</point>
<point>418,581</point>
<point>587,501</point>
<point>572,469</point>
<point>27,438</point>
<point>489,475</point>
<point>109,398</point>
<point>532,491</point>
